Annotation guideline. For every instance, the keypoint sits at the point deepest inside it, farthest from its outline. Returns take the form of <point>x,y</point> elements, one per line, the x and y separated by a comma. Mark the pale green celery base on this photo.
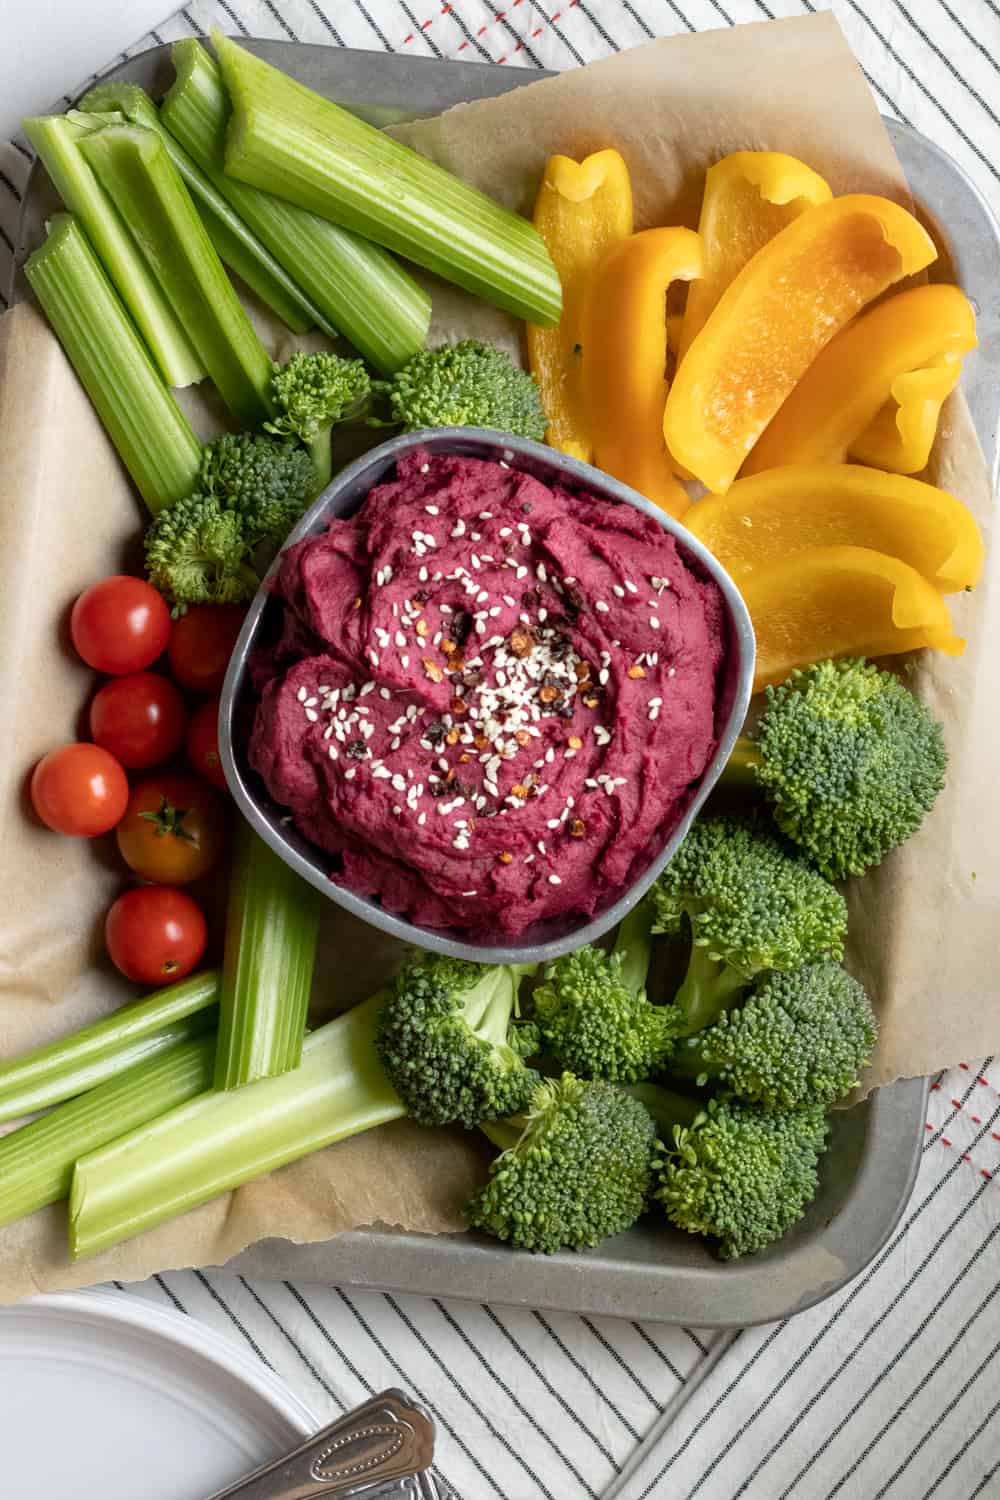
<point>133,166</point>
<point>223,1139</point>
<point>238,247</point>
<point>36,1162</point>
<point>55,139</point>
<point>271,931</point>
<point>287,140</point>
<point>357,289</point>
<point>147,427</point>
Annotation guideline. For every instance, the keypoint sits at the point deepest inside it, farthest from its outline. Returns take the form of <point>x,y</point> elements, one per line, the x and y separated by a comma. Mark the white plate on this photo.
<point>103,1397</point>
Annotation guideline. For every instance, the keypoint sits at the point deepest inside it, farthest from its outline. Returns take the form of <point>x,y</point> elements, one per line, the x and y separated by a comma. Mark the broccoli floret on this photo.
<point>737,1174</point>
<point>575,1169</point>
<point>851,761</point>
<point>443,1038</point>
<point>469,384</point>
<point>313,393</point>
<point>267,483</point>
<point>593,1012</point>
<point>800,1037</point>
<point>196,554</point>
<point>749,903</point>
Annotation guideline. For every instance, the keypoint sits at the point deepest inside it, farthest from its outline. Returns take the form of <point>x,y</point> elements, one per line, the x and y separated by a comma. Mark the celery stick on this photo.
<point>271,929</point>
<point>36,1162</point>
<point>288,140</point>
<point>134,168</point>
<point>61,1069</point>
<point>223,1139</point>
<point>148,428</point>
<point>361,291</point>
<point>238,246</point>
<point>56,138</point>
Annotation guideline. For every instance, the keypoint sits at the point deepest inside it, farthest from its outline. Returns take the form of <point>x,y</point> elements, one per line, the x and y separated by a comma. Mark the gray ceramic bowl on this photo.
<point>341,498</point>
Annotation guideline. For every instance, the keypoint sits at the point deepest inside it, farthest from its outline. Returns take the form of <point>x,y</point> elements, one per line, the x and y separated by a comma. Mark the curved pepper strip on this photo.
<point>750,196</point>
<point>581,209</point>
<point>771,323</point>
<point>850,381</point>
<point>841,601</point>
<point>901,436</point>
<point>625,354</point>
<point>773,515</point>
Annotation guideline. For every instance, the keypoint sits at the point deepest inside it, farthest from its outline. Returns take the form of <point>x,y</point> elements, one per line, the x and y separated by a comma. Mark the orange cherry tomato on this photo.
<point>173,829</point>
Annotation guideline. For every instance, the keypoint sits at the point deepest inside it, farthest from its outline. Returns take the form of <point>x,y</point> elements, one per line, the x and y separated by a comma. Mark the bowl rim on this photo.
<point>369,470</point>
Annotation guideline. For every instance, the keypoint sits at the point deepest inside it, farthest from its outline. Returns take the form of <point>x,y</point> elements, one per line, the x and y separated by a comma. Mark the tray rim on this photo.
<point>750,1292</point>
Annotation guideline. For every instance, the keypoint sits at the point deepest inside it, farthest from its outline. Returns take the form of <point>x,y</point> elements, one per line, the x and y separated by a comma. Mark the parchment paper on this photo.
<point>924,925</point>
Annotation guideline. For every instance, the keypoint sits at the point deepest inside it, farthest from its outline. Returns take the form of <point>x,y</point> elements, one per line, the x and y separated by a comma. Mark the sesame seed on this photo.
<point>654,713</point>
<point>384,693</point>
<point>302,695</point>
<point>373,658</point>
<point>397,811</point>
<point>470,893</point>
<point>600,605</point>
<point>424,468</point>
<point>349,775</point>
<point>311,715</point>
<point>655,702</point>
<point>554,880</point>
<point>369,687</point>
<point>422,819</point>
<point>654,622</point>
<point>332,752</point>
<point>618,591</point>
<point>552,823</point>
<point>631,586</point>
<point>671,671</point>
<point>432,510</point>
<point>459,528</point>
<point>404,661</point>
<point>541,574</point>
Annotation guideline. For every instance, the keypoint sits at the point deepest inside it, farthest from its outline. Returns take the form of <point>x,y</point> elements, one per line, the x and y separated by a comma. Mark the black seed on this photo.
<point>461,626</point>
<point>356,750</point>
<point>436,732</point>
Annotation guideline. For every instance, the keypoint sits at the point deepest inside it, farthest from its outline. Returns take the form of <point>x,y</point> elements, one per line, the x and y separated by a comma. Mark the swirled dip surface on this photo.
<point>491,697</point>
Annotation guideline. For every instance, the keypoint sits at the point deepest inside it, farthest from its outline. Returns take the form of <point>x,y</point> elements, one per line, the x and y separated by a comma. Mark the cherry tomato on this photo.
<point>80,790</point>
<point>201,643</point>
<point>155,934</point>
<point>120,625</point>
<point>203,744</point>
<point>172,830</point>
<point>140,719</point>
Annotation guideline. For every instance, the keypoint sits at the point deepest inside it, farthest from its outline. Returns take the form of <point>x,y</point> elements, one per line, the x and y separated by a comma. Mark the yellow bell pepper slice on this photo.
<point>850,381</point>
<point>750,196</point>
<point>581,209</point>
<point>841,601</point>
<point>625,356</point>
<point>773,515</point>
<point>901,436</point>
<point>771,323</point>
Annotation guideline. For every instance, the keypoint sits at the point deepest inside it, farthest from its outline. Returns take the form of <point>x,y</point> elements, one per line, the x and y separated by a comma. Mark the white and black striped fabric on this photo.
<point>891,1388</point>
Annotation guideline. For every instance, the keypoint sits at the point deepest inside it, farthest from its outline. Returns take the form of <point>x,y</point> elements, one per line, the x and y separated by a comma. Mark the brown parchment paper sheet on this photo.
<point>925,925</point>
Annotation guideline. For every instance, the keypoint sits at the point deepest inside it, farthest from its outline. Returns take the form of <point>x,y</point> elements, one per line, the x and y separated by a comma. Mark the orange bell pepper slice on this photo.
<point>850,381</point>
<point>750,196</point>
<point>581,209</point>
<point>773,515</point>
<point>771,323</point>
<point>841,601</point>
<point>625,355</point>
<point>902,434</point>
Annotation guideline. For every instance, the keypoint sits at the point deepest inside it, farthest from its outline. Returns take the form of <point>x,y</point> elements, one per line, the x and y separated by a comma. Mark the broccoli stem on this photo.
<point>489,1005</point>
<point>709,984</point>
<point>321,452</point>
<point>666,1108</point>
<point>741,768</point>
<point>635,945</point>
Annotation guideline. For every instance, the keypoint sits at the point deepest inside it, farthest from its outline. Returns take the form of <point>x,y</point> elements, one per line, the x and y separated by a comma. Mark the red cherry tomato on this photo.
<point>140,719</point>
<point>201,643</point>
<point>155,935</point>
<point>120,625</point>
<point>79,790</point>
<point>173,829</point>
<point>203,744</point>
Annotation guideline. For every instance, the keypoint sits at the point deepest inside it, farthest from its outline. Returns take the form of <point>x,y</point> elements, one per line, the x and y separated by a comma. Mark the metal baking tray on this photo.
<point>650,1273</point>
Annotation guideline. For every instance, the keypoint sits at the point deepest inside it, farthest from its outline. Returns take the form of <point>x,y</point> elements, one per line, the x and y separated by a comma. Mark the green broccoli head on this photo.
<point>593,1012</point>
<point>443,1037</point>
<point>739,1175</point>
<point>799,1037</point>
<point>195,554</point>
<point>851,760</point>
<point>313,392</point>
<point>267,483</point>
<point>469,384</point>
<point>750,903</point>
<point>577,1170</point>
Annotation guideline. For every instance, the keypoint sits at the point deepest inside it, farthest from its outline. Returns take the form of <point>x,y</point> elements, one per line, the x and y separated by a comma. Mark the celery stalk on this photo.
<point>359,289</point>
<point>56,139</point>
<point>36,1162</point>
<point>271,929</point>
<point>223,1139</point>
<point>153,437</point>
<point>238,246</point>
<point>288,140</point>
<point>69,1066</point>
<point>134,168</point>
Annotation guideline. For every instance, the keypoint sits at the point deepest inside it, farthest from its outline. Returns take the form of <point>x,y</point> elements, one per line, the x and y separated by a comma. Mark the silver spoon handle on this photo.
<point>388,1438</point>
